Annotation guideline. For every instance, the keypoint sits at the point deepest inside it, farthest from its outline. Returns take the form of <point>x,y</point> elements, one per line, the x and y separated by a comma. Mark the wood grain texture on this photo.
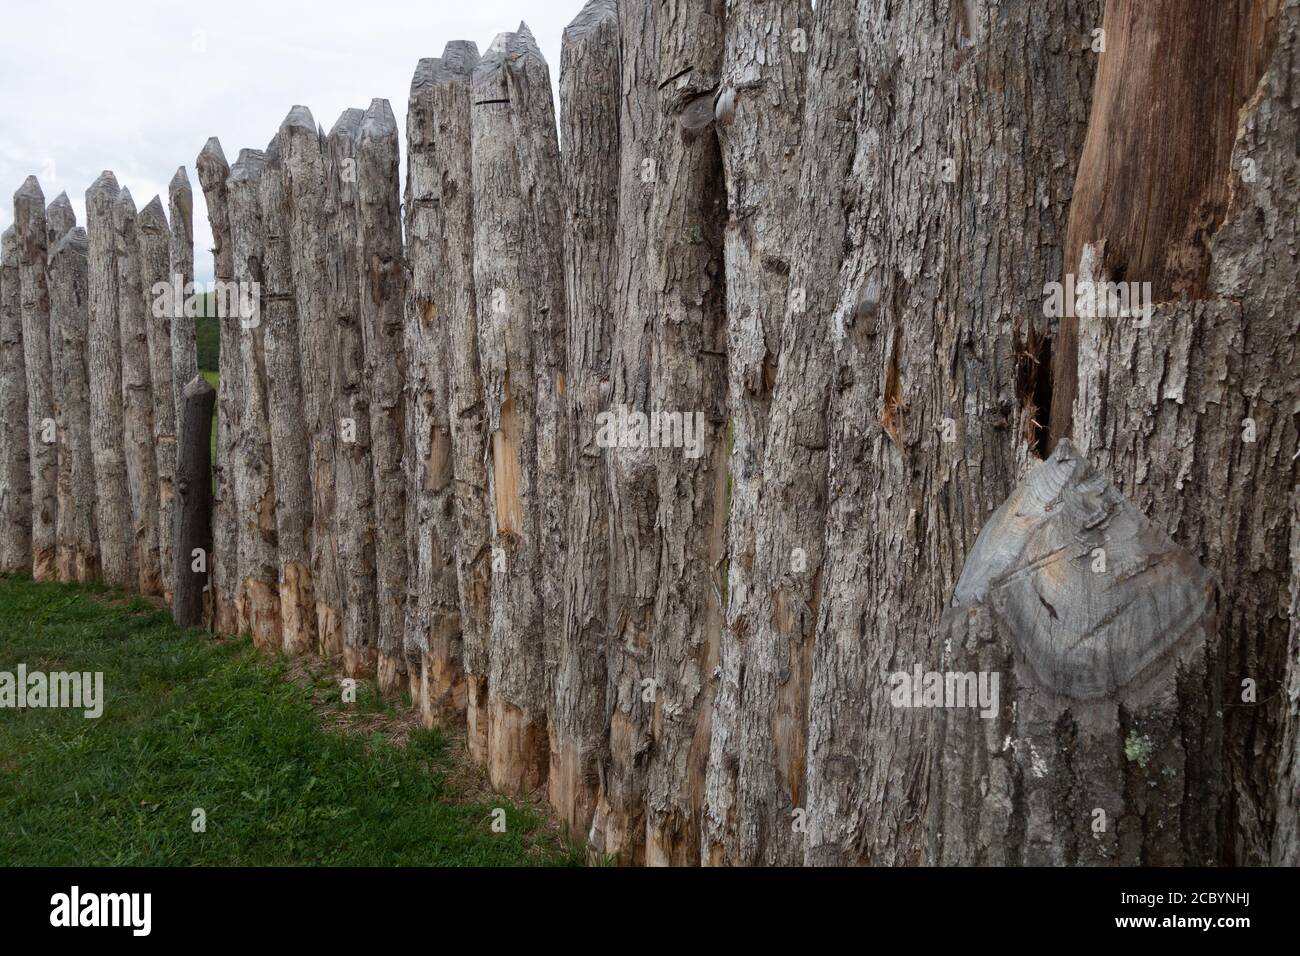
<point>15,454</point>
<point>180,256</point>
<point>190,593</point>
<point>155,266</point>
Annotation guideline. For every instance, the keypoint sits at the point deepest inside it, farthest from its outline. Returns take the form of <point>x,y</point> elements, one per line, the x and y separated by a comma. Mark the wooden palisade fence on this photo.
<point>699,445</point>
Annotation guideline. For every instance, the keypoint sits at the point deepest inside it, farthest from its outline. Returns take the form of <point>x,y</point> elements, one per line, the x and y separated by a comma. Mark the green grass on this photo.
<point>190,722</point>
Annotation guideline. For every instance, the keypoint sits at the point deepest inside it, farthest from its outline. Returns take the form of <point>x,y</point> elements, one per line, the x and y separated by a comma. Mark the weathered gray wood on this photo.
<point>532,112</point>
<point>77,545</point>
<point>15,454</point>
<point>137,396</point>
<point>1104,742</point>
<point>1192,415</point>
<point>194,504</point>
<point>212,170</point>
<point>302,148</point>
<point>383,298</point>
<point>687,217</point>
<point>42,440</point>
<point>957,208</point>
<point>113,520</point>
<point>756,764</point>
<point>590,80</point>
<point>180,254</point>
<point>1286,839</point>
<point>618,827</point>
<point>433,627</point>
<point>354,475</point>
<point>290,442</point>
<point>59,218</point>
<point>257,600</point>
<point>517,700</point>
<point>155,267</point>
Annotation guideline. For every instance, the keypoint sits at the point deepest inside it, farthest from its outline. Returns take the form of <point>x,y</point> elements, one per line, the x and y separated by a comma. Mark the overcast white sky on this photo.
<point>138,86</point>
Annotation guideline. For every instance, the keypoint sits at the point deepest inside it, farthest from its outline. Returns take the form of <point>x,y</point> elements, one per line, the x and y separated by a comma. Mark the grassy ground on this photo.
<point>284,770</point>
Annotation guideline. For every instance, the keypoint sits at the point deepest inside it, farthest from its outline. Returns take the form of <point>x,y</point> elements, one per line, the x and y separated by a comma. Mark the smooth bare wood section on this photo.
<point>190,593</point>
<point>957,203</point>
<point>33,255</point>
<point>15,455</point>
<point>383,296</point>
<point>137,396</point>
<point>303,148</point>
<point>687,218</point>
<point>1112,753</point>
<point>590,78</point>
<point>113,521</point>
<point>77,545</point>
<point>1154,184</point>
<point>180,254</point>
<point>155,264</point>
<point>1193,417</point>
<point>354,475</point>
<point>257,600</point>
<point>756,761</point>
<point>434,656</point>
<point>290,442</point>
<point>516,691</point>
<point>212,170</point>
<point>618,826</point>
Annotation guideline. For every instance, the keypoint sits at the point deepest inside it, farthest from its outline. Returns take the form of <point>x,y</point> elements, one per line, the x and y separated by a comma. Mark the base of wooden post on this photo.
<point>257,609</point>
<point>442,691</point>
<point>476,718</point>
<point>573,784</point>
<point>75,566</point>
<point>297,608</point>
<point>518,751</point>
<point>360,662</point>
<point>329,630</point>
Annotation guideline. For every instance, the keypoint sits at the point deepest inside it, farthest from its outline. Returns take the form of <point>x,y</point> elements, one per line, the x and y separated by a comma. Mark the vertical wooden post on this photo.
<point>180,254</point>
<point>155,266</point>
<point>137,396</point>
<point>354,475</point>
<point>212,170</point>
<point>517,744</point>
<point>290,441</point>
<point>15,454</point>
<point>302,149</point>
<point>433,620</point>
<point>77,548</point>
<point>257,600</point>
<point>194,504</point>
<point>383,295</point>
<point>59,218</point>
<point>590,82</point>
<point>29,221</point>
<point>112,493</point>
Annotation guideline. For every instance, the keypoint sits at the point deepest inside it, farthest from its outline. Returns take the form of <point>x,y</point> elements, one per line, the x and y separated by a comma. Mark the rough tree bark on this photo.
<point>532,112</point>
<point>756,762</point>
<point>212,170</point>
<point>137,396</point>
<point>1191,410</point>
<point>33,256</point>
<point>689,356</point>
<point>618,826</point>
<point>302,148</point>
<point>354,515</point>
<point>517,744</point>
<point>257,600</point>
<point>969,124</point>
<point>383,294</point>
<point>112,495</point>
<point>15,454</point>
<point>433,630</point>
<point>155,266</point>
<point>194,504</point>
<point>290,442</point>
<point>452,248</point>
<point>180,255</point>
<point>590,72</point>
<point>1110,751</point>
<point>77,555</point>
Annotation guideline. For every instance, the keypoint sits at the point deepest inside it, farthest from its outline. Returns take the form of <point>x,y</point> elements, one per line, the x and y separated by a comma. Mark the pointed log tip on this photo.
<point>198,385</point>
<point>153,214</point>
<point>75,240</point>
<point>125,202</point>
<point>248,167</point>
<point>272,151</point>
<point>299,117</point>
<point>590,17</point>
<point>378,123</point>
<point>212,155</point>
<point>425,71</point>
<point>61,201</point>
<point>459,57</point>
<point>31,189</point>
<point>523,45</point>
<point>105,183</point>
<point>493,61</point>
<point>180,182</point>
<point>348,124</point>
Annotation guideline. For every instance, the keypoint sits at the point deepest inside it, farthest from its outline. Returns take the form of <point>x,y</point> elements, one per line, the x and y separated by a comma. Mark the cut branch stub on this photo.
<point>1091,592</point>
